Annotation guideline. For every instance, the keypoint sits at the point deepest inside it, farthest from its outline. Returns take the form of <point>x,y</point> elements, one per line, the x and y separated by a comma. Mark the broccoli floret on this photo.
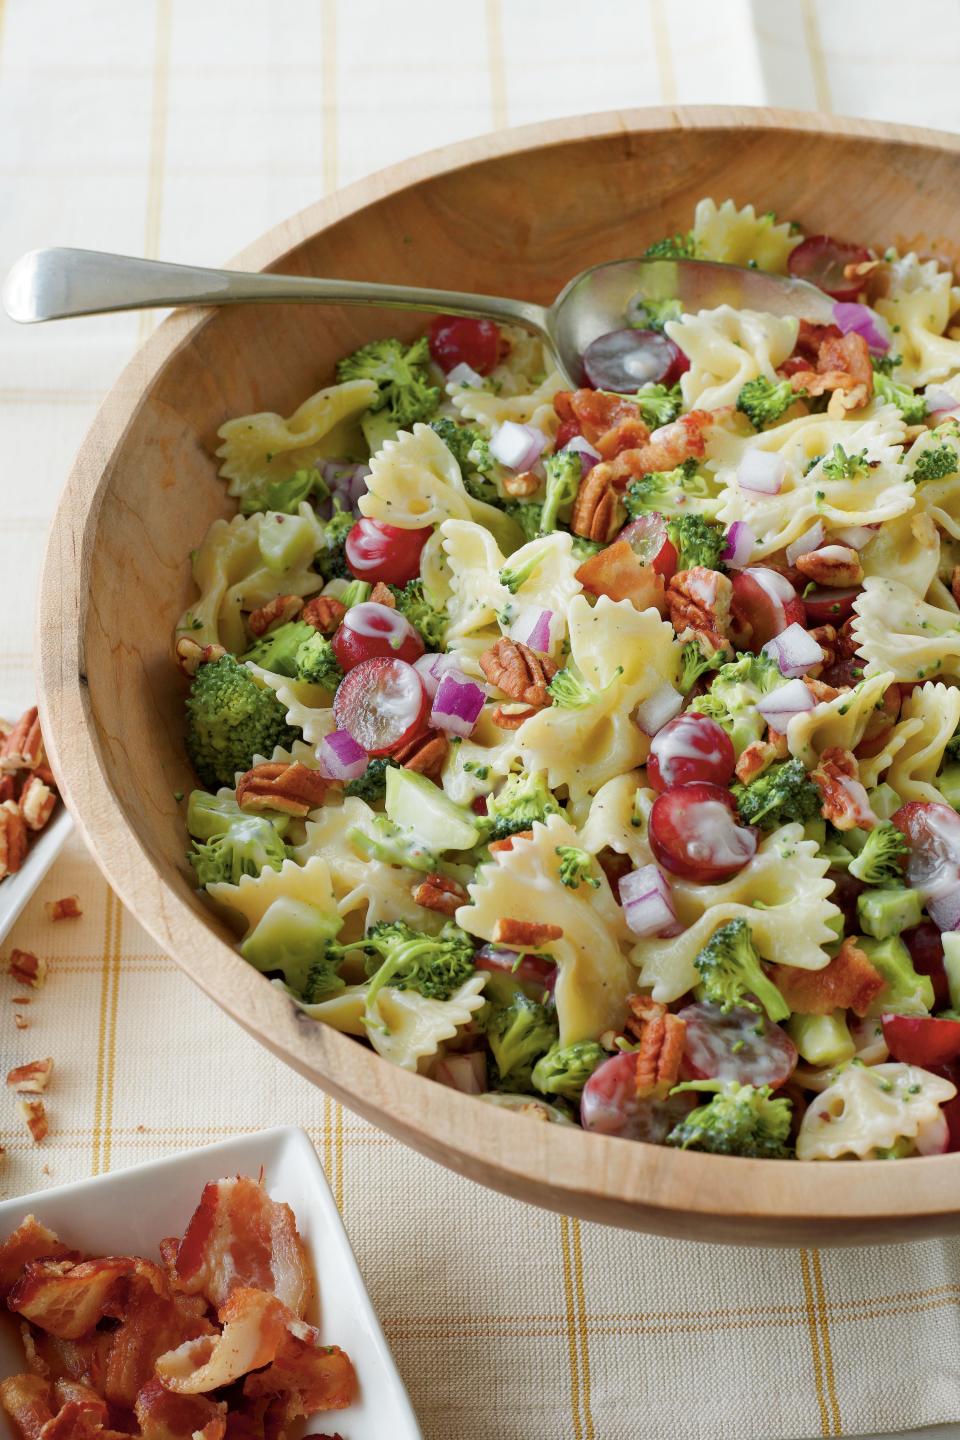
<point>912,407</point>
<point>697,542</point>
<point>528,514</point>
<point>469,448</point>
<point>782,794</point>
<point>401,374</point>
<point>316,662</point>
<point>356,593</point>
<point>277,651</point>
<point>412,602</point>
<point>323,977</point>
<point>672,247</point>
<point>250,845</point>
<point>682,491</point>
<point>571,691</point>
<point>694,663</point>
<point>763,401</point>
<point>519,1031</point>
<point>563,482</point>
<point>658,403</point>
<point>733,695</point>
<point>284,496</point>
<point>515,572</point>
<point>209,815</point>
<point>879,862</point>
<point>407,959</point>
<point>230,718</point>
<point>565,1069</point>
<point>842,466</point>
<point>331,558</point>
<point>730,972</point>
<point>585,549</point>
<point>654,314</point>
<point>575,866</point>
<point>739,1120</point>
<point>936,463</point>
<point>393,844</point>
<point>372,783</point>
<point>523,799</point>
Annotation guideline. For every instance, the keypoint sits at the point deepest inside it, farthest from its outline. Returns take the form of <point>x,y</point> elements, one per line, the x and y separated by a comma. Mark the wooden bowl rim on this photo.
<point>666,1189</point>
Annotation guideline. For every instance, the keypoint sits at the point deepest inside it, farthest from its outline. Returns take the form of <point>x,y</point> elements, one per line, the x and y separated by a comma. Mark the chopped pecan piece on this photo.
<point>66,908</point>
<point>848,982</point>
<point>511,717</point>
<point>324,613</point>
<point>521,486</point>
<point>819,689</point>
<point>294,789</point>
<point>525,934</point>
<point>36,803</point>
<point>8,786</point>
<point>382,595</point>
<point>34,1113</point>
<point>507,842</point>
<point>661,1037</point>
<point>439,892</point>
<point>191,655</point>
<point>21,1022</point>
<point>844,801</point>
<point>826,637</point>
<point>836,566</point>
<point>27,968</point>
<point>620,573</point>
<point>22,747</point>
<point>758,756</point>
<point>698,601</point>
<point>278,611</point>
<point>32,1078</point>
<point>426,755</point>
<point>596,510</point>
<point>13,838</point>
<point>521,673</point>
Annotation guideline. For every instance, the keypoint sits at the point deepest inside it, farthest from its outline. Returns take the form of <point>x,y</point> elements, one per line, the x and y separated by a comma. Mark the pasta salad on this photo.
<point>597,752</point>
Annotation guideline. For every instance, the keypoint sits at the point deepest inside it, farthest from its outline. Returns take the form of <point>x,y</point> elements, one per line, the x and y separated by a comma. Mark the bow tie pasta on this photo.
<point>742,237</point>
<point>726,348</point>
<point>918,308</point>
<point>897,631</point>
<point>403,1026</point>
<point>867,1110</point>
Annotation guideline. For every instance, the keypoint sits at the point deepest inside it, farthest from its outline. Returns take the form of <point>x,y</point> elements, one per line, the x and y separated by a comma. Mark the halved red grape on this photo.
<point>932,830</point>
<point>535,971</point>
<point>829,607</point>
<point>763,604</point>
<point>821,260</point>
<point>458,340</point>
<point>926,951</point>
<point>370,630</point>
<point>694,833</point>
<point>624,360</point>
<point>691,747</point>
<point>648,539</point>
<point>610,1105</point>
<point>922,1039</point>
<point>382,704</point>
<point>737,1045</point>
<point>378,551</point>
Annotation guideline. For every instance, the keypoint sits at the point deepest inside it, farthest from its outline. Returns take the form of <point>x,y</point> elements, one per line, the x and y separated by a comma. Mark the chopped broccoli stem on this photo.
<point>575,866</point>
<point>880,862</point>
<point>515,573</point>
<point>730,972</point>
<point>563,482</point>
<point>763,401</point>
<point>277,650</point>
<point>317,663</point>
<point>393,844</point>
<point>739,1120</point>
<point>356,593</point>
<point>782,794</point>
<point>842,466</point>
<point>673,247</point>
<point>696,542</point>
<point>401,374</point>
<point>230,718</point>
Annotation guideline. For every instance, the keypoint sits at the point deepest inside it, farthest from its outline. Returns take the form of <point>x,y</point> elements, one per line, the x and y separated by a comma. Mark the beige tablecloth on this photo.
<point>183,128</point>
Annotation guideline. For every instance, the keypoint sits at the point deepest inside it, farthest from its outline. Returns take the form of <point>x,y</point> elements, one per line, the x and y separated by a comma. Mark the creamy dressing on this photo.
<point>378,622</point>
<point>681,740</point>
<point>715,838</point>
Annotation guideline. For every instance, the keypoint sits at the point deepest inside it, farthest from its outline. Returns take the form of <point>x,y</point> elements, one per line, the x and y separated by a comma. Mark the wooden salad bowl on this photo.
<point>515,213</point>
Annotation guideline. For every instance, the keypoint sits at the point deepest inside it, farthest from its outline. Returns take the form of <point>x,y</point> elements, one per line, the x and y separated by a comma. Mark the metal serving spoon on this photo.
<point>59,283</point>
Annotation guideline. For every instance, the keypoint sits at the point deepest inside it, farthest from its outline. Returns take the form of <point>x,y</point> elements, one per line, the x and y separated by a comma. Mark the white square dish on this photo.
<point>128,1212</point>
<point>16,889</point>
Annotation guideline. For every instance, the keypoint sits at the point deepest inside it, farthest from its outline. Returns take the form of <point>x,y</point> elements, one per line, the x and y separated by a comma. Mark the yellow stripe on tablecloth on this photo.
<point>110,1074</point>
<point>496,64</point>
<point>812,1326</point>
<point>825,1342</point>
<point>338,1152</point>
<point>818,62</point>
<point>158,145</point>
<point>571,1328</point>
<point>663,52</point>
<point>582,1327</point>
<point>328,72</point>
<point>110,906</point>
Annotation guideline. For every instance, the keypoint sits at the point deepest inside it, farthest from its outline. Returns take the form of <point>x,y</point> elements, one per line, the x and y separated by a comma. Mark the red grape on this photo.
<point>624,360</point>
<point>821,260</point>
<point>610,1104</point>
<point>371,630</point>
<point>378,551</point>
<point>382,704</point>
<point>648,539</point>
<point>691,747</point>
<point>739,1045</point>
<point>458,340</point>
<point>694,833</point>
<point>763,604</point>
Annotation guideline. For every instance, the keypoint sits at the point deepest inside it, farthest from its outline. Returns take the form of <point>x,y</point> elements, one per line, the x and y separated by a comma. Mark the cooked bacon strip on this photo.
<point>65,1299</point>
<point>163,1415</point>
<point>239,1237</point>
<point>153,1324</point>
<point>28,1400</point>
<point>254,1325</point>
<point>849,982</point>
<point>309,1377</point>
<point>27,968</point>
<point>29,1242</point>
<point>667,448</point>
<point>601,418</point>
<point>842,364</point>
<point>67,908</point>
<point>618,572</point>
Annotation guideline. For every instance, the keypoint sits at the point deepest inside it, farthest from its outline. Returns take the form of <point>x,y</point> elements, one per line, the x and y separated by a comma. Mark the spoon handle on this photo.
<point>59,283</point>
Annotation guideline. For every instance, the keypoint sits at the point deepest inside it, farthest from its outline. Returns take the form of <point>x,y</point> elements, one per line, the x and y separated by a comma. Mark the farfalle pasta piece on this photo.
<point>905,549</point>
<point>867,1109</point>
<point>523,366</point>
<point>403,1026</point>
<point>914,769</point>
<point>726,348</point>
<point>523,883</point>
<point>873,768</point>
<point>490,410</point>
<point>838,723</point>
<point>741,236</point>
<point>415,481</point>
<point>254,894</point>
<point>475,766</point>
<point>625,655</point>
<point>264,447</point>
<point>898,632</point>
<point>921,301</point>
<point>616,819</point>
<point>784,896</point>
<point>940,500</point>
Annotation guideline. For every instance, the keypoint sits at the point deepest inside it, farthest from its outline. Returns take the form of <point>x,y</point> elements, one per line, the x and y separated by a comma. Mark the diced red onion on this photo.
<point>938,398</point>
<point>740,543</point>
<point>466,1073</point>
<point>647,902</point>
<point>856,536</point>
<point>658,708</point>
<point>795,652</point>
<point>944,910</point>
<point>518,447</point>
<point>779,707</point>
<point>810,540</point>
<point>464,374</point>
<point>341,758</point>
<point>538,636</point>
<point>588,455</point>
<point>762,471</point>
<point>457,704</point>
<point>431,669</point>
<point>346,483</point>
<point>864,321</point>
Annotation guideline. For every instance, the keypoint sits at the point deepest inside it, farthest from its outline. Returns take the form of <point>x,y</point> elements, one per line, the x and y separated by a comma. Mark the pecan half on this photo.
<point>27,968</point>
<point>521,486</point>
<point>698,602</point>
<point>844,800</point>
<point>278,611</point>
<point>617,571</point>
<point>22,747</point>
<point>13,838</point>
<point>36,803</point>
<point>190,655</point>
<point>32,1078</point>
<point>848,982</point>
<point>34,1114</point>
<point>758,756</point>
<point>439,892</point>
<point>836,566</point>
<point>521,673</point>
<point>595,512</point>
<point>295,789</point>
<point>426,755</point>
<point>525,934</point>
<point>661,1037</point>
<point>382,595</point>
<point>66,908</point>
<point>324,613</point>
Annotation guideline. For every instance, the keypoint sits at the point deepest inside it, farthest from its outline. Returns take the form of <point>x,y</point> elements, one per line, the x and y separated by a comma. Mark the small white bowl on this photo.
<point>128,1212</point>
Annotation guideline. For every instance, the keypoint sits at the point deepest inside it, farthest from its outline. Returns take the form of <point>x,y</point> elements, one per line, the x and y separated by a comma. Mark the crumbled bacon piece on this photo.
<point>844,799</point>
<point>34,1115</point>
<point>668,447</point>
<point>254,1325</point>
<point>599,416</point>
<point>27,968</point>
<point>848,982</point>
<point>525,934</point>
<point>324,613</point>
<point>439,892</point>
<point>66,908</point>
<point>698,601</point>
<point>661,1037</point>
<point>28,1400</point>
<point>21,1022</point>
<point>32,1078</point>
<point>307,1375</point>
<point>842,366</point>
<point>163,1415</point>
<point>30,1241</point>
<point>755,759</point>
<point>507,842</point>
<point>617,571</point>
